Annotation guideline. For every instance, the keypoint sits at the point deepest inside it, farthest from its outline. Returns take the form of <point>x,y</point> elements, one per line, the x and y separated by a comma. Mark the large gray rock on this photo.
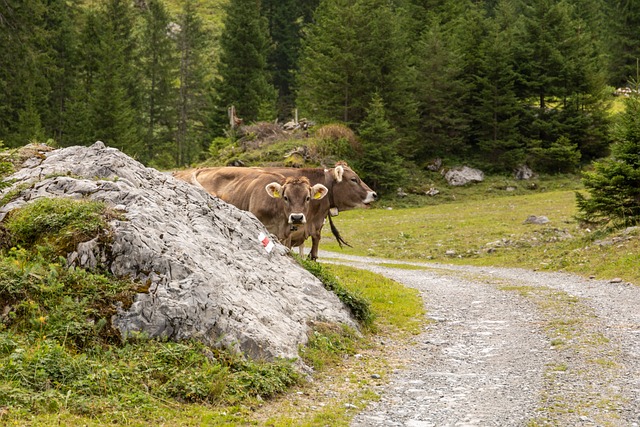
<point>210,276</point>
<point>463,176</point>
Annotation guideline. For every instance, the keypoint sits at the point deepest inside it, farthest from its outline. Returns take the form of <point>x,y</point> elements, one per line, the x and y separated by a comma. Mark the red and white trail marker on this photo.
<point>266,242</point>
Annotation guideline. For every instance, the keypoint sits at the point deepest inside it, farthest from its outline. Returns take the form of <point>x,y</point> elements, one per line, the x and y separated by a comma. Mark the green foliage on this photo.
<point>286,20</point>
<point>614,183</point>
<point>245,79</point>
<point>338,77</point>
<point>395,305</point>
<point>44,376</point>
<point>58,350</point>
<point>58,222</point>
<point>194,91</point>
<point>380,165</point>
<point>328,344</point>
<point>68,304</point>
<point>159,63</point>
<point>561,156</point>
<point>333,142</point>
<point>358,305</point>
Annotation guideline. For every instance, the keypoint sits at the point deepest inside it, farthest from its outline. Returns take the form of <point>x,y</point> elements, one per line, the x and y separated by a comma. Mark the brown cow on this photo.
<point>346,191</point>
<point>282,208</point>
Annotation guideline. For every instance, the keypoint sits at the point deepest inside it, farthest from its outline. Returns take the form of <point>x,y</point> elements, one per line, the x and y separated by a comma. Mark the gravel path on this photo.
<point>512,347</point>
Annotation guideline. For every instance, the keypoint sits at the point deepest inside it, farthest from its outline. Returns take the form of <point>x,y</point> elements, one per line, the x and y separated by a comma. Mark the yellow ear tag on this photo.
<point>276,194</point>
<point>317,195</point>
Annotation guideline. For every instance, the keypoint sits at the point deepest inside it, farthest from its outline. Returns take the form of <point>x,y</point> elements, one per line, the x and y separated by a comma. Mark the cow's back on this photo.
<point>245,188</point>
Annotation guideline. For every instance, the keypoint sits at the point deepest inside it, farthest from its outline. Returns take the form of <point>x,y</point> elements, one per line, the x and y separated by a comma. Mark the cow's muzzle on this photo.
<point>372,196</point>
<point>297,218</point>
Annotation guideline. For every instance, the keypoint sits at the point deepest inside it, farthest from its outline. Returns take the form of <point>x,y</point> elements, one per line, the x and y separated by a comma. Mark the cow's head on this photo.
<point>348,190</point>
<point>296,193</point>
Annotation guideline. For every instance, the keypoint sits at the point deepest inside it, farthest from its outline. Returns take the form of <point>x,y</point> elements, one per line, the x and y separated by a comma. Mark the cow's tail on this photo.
<point>336,233</point>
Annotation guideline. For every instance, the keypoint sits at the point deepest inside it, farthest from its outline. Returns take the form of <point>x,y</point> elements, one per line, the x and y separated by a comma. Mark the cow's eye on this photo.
<point>308,198</point>
<point>286,199</point>
<point>354,180</point>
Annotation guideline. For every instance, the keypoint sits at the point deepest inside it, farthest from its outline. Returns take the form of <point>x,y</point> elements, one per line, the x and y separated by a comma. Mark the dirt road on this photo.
<point>512,347</point>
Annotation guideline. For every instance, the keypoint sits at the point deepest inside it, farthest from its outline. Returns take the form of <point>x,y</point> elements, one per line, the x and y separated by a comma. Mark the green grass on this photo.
<point>396,306</point>
<point>490,230</point>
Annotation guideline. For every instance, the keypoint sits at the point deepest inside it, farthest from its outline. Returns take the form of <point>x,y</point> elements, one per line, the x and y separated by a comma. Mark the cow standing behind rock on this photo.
<point>345,191</point>
<point>280,203</point>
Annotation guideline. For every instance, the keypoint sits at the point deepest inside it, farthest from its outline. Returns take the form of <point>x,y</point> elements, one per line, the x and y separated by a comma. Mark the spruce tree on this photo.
<point>624,46</point>
<point>159,66</point>
<point>115,99</point>
<point>354,49</point>
<point>439,91</point>
<point>380,165</point>
<point>614,183</point>
<point>559,65</point>
<point>286,20</point>
<point>24,87</point>
<point>61,49</point>
<point>193,92</point>
<point>245,79</point>
<point>497,109</point>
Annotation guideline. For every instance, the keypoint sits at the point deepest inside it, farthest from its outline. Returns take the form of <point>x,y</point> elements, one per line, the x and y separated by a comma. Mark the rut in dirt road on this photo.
<point>512,347</point>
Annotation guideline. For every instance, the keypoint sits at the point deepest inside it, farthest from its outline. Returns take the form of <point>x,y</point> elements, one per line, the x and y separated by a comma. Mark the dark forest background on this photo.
<point>496,83</point>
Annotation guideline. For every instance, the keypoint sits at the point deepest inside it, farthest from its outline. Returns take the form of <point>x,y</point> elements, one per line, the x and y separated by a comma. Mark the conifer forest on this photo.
<point>494,83</point>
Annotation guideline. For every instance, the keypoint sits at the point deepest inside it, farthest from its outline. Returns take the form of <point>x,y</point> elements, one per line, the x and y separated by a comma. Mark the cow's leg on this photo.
<point>315,239</point>
<point>301,250</point>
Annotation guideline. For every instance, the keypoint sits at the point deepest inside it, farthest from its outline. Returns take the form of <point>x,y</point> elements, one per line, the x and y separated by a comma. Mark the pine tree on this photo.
<point>192,105</point>
<point>380,165</point>
<point>61,49</point>
<point>286,19</point>
<point>115,98</point>
<point>354,49</point>
<point>624,18</point>
<point>159,66</point>
<point>245,79</point>
<point>559,65</point>
<point>497,109</point>
<point>439,91</point>
<point>78,116</point>
<point>614,183</point>
<point>23,86</point>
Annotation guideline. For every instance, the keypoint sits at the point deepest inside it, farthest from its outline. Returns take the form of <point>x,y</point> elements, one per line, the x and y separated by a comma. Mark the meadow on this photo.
<point>486,225</point>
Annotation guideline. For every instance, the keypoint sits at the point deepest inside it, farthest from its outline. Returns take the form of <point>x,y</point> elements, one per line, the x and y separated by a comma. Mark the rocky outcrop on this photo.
<point>523,172</point>
<point>209,275</point>
<point>463,176</point>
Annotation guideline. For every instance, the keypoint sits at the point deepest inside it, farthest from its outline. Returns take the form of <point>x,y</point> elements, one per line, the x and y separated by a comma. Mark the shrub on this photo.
<point>614,183</point>
<point>335,141</point>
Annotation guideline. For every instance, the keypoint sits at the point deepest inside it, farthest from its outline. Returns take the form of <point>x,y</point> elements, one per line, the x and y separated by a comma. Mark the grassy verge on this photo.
<point>492,231</point>
<point>347,383</point>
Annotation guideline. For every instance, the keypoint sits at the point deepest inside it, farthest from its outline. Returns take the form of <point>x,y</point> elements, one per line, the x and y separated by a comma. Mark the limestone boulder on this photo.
<point>463,176</point>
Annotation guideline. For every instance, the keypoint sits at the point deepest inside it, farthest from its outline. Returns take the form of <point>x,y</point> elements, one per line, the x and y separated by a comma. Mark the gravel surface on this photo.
<point>512,347</point>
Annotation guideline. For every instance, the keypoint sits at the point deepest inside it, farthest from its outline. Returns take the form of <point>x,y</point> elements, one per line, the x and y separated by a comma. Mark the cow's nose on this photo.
<point>375,196</point>
<point>296,218</point>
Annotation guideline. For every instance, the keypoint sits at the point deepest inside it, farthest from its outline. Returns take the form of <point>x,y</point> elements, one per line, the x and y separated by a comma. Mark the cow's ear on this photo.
<point>274,189</point>
<point>338,171</point>
<point>319,191</point>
